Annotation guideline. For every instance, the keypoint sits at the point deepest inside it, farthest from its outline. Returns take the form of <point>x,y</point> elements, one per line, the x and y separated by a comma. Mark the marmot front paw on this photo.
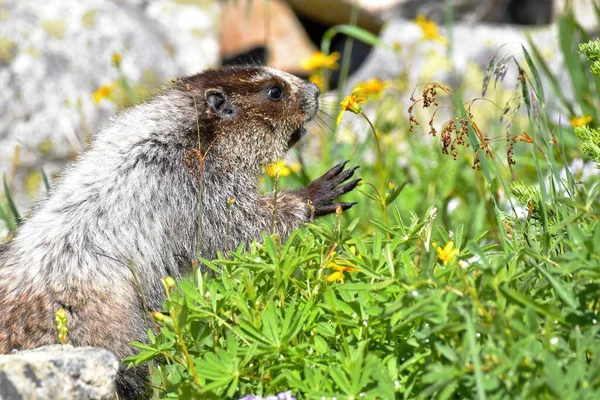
<point>323,191</point>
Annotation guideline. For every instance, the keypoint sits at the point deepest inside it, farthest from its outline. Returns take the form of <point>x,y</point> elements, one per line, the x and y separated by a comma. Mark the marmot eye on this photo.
<point>275,92</point>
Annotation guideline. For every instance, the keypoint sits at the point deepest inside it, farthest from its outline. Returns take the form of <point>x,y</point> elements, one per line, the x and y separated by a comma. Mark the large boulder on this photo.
<point>271,28</point>
<point>58,372</point>
<point>54,54</point>
<point>373,14</point>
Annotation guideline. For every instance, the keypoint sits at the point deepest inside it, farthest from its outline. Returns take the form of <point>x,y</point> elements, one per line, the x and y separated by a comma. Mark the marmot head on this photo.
<point>250,116</point>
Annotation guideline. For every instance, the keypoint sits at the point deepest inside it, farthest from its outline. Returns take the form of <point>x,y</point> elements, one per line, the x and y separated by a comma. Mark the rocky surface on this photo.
<point>584,11</point>
<point>54,54</point>
<point>58,372</point>
<point>271,26</point>
<point>408,52</point>
<point>373,14</point>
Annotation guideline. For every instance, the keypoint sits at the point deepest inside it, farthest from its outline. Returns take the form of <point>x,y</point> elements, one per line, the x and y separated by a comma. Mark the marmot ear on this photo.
<point>220,104</point>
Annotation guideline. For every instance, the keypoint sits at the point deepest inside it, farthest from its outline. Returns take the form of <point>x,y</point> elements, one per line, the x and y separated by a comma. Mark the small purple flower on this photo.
<point>281,396</point>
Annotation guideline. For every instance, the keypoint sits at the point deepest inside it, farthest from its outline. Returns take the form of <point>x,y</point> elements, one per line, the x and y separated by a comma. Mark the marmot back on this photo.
<point>129,205</point>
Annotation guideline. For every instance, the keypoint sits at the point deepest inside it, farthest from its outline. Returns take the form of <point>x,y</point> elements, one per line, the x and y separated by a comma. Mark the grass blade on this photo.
<point>10,222</point>
<point>556,87</point>
<point>351,31</point>
<point>11,203</point>
<point>472,342</point>
<point>46,180</point>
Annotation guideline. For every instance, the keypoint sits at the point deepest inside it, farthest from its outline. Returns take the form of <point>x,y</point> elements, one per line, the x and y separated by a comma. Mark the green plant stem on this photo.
<point>200,186</point>
<point>381,167</point>
<point>11,203</point>
<point>189,361</point>
<point>379,153</point>
<point>275,190</point>
<point>127,87</point>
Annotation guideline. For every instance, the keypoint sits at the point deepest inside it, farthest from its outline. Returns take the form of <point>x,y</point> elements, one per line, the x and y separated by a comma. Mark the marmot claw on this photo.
<point>324,190</point>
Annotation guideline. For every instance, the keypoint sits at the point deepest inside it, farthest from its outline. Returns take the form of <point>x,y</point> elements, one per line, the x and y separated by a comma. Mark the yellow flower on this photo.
<point>351,103</point>
<point>340,264</point>
<point>279,168</point>
<point>317,79</point>
<point>447,253</point>
<point>319,60</point>
<point>60,321</point>
<point>338,275</point>
<point>103,92</point>
<point>372,86</point>
<point>429,28</point>
<point>116,59</point>
<point>581,121</point>
<point>296,167</point>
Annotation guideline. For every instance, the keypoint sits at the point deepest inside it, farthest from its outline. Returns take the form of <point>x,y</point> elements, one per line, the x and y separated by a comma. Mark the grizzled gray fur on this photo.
<point>131,203</point>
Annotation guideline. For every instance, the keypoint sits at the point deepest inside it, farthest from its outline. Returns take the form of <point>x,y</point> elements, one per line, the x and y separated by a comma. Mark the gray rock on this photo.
<point>526,12</point>
<point>373,14</point>
<point>472,44</point>
<point>58,372</point>
<point>54,54</point>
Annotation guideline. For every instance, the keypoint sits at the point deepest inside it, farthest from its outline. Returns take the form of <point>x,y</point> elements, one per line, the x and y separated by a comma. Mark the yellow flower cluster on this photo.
<point>280,168</point>
<point>106,91</point>
<point>60,321</point>
<point>447,253</point>
<point>116,59</point>
<point>581,121</point>
<point>319,60</point>
<point>317,63</point>
<point>103,92</point>
<point>359,95</point>
<point>372,86</point>
<point>429,28</point>
<point>341,265</point>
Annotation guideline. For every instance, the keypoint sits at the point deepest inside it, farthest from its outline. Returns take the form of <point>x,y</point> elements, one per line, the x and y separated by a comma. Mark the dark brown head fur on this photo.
<point>249,116</point>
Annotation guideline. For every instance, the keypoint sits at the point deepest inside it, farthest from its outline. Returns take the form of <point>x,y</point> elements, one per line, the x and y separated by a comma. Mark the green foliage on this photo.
<point>404,296</point>
<point>590,142</point>
<point>9,213</point>
<point>401,325</point>
<point>469,268</point>
<point>584,85</point>
<point>591,50</point>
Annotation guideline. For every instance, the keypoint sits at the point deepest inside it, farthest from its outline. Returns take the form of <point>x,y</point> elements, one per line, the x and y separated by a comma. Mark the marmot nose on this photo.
<point>310,100</point>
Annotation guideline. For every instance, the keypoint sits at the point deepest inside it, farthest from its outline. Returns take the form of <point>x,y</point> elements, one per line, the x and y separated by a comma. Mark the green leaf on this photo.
<point>539,88</point>
<point>350,31</point>
<point>320,344</point>
<point>524,300</point>
<point>339,377</point>
<point>395,193</point>
<point>575,66</point>
<point>557,88</point>
<point>447,352</point>
<point>365,287</point>
<point>11,203</point>
<point>10,222</point>
<point>564,292</point>
<point>270,326</point>
<point>474,350</point>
